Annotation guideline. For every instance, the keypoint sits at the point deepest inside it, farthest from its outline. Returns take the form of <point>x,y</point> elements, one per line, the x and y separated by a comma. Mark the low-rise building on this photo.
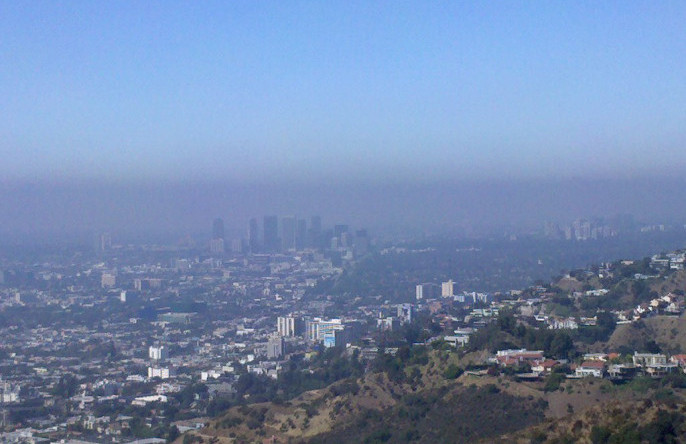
<point>648,359</point>
<point>161,372</point>
<point>594,369</point>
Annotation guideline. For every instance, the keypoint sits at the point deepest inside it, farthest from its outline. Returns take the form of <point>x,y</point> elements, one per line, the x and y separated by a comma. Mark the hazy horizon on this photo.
<point>180,208</point>
<point>159,117</point>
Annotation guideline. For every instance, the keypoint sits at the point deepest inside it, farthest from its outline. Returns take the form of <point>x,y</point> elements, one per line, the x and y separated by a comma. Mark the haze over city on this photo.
<point>158,116</point>
<point>342,222</point>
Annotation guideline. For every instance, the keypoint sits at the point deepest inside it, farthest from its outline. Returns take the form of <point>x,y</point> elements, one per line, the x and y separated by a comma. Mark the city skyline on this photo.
<point>48,212</point>
<point>148,119</point>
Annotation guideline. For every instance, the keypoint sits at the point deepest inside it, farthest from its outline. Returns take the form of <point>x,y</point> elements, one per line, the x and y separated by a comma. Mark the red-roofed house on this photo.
<point>544,366</point>
<point>591,368</point>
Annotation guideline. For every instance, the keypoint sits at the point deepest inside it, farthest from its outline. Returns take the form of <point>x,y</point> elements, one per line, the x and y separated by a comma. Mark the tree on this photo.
<point>561,345</point>
<point>600,434</point>
<point>653,347</point>
<point>452,372</point>
<point>553,382</point>
<point>173,434</point>
<point>664,428</point>
<point>66,387</point>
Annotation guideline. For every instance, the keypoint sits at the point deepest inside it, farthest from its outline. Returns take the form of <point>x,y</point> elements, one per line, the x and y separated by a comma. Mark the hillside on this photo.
<point>668,332</point>
<point>422,401</point>
<point>423,404</point>
<point>436,393</point>
<point>612,422</point>
<point>625,293</point>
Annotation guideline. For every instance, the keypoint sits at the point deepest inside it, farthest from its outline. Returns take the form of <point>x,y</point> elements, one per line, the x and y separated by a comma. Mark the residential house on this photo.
<point>593,368</point>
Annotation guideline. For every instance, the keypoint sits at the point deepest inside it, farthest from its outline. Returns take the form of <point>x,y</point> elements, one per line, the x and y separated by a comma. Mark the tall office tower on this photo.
<point>218,229</point>
<point>276,347</point>
<point>288,230</point>
<point>285,326</point>
<point>419,292</point>
<point>271,234</point>
<point>312,329</point>
<point>301,235</point>
<point>289,326</point>
<point>315,231</point>
<point>217,246</point>
<point>447,289</point>
<point>253,241</point>
<point>405,312</point>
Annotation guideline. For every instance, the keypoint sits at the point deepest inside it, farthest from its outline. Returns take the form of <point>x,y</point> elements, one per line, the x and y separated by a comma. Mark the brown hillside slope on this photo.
<point>675,282</point>
<point>669,332</point>
<point>423,401</point>
<point>626,422</point>
<point>437,410</point>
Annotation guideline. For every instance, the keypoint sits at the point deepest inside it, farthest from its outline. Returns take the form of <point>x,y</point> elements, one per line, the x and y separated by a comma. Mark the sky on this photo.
<point>315,94</point>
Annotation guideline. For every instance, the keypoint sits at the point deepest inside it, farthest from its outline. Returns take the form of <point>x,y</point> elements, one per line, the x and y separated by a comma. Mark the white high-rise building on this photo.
<point>419,292</point>
<point>447,289</point>
<point>285,326</point>
<point>289,326</point>
<point>158,353</point>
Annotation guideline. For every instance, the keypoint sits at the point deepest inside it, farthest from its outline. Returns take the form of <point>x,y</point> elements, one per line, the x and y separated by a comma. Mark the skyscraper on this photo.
<point>289,325</point>
<point>276,347</point>
<point>218,229</point>
<point>253,242</point>
<point>217,245</point>
<point>301,235</point>
<point>315,231</point>
<point>447,289</point>
<point>271,234</point>
<point>288,230</point>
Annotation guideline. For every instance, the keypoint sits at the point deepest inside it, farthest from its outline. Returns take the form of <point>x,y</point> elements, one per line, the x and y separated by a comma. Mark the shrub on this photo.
<point>378,436</point>
<point>452,372</point>
<point>553,381</point>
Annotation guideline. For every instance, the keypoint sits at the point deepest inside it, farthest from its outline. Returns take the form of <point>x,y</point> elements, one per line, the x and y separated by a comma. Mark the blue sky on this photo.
<point>308,92</point>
